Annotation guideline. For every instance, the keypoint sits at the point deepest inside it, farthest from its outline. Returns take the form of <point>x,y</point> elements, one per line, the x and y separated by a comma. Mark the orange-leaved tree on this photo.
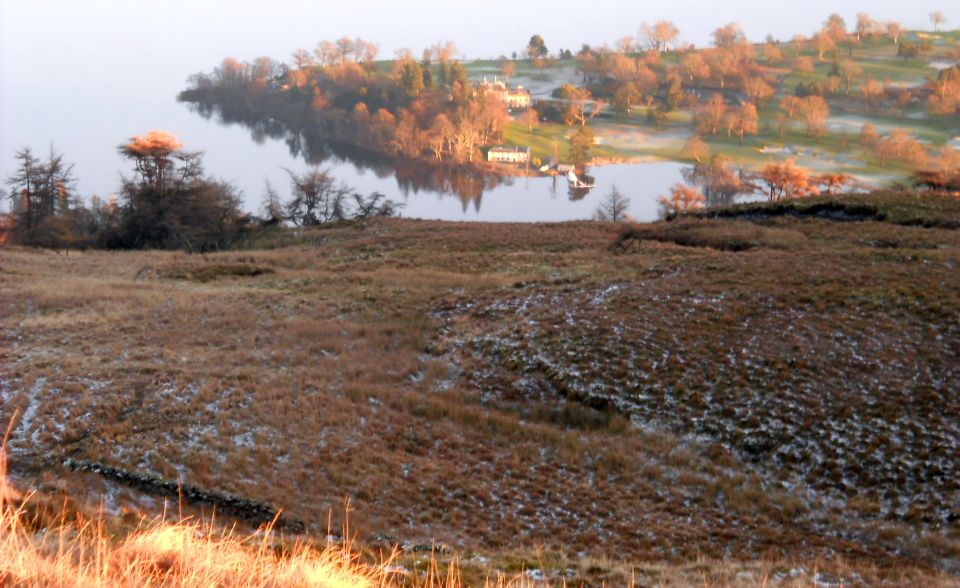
<point>153,155</point>
<point>169,204</point>
<point>682,198</point>
<point>787,180</point>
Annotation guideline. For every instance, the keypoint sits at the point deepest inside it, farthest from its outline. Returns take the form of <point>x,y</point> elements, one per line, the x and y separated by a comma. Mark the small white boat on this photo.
<point>575,182</point>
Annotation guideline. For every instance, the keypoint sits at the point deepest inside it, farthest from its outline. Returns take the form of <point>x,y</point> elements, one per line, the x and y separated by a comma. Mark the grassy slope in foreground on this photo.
<point>473,385</point>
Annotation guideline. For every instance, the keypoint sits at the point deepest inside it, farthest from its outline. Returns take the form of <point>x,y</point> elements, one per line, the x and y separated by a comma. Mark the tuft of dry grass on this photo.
<point>71,551</point>
<point>40,548</point>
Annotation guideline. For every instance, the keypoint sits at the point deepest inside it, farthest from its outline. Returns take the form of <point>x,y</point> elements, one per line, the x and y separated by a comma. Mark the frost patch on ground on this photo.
<point>817,411</point>
<point>26,425</point>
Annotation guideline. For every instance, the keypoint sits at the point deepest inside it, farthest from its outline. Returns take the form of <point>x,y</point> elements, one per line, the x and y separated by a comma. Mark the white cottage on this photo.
<point>509,154</point>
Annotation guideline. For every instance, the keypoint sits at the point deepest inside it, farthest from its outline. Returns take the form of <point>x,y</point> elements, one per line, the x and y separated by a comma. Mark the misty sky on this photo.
<point>208,29</point>
<point>87,73</point>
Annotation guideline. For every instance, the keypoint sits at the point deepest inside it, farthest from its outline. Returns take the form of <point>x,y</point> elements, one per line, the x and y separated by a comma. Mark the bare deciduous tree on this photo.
<point>695,67</point>
<point>326,53</point>
<point>728,35</point>
<point>849,72</point>
<point>613,207</point>
<point>695,150</point>
<point>660,35</point>
<point>444,52</point>
<point>823,43</point>
<point>835,27</point>
<point>899,145</point>
<point>937,18</point>
<point>868,27</point>
<point>270,205</point>
<point>344,48</point>
<point>944,97</point>
<point>814,111</point>
<point>744,121</point>
<point>508,68</point>
<point>894,30</point>
<point>374,205</point>
<point>758,90</point>
<point>316,198</point>
<point>942,173</point>
<point>531,118</point>
<point>302,58</point>
<point>872,93</point>
<point>625,97</point>
<point>711,115</point>
<point>772,53</point>
<point>803,65</point>
<point>626,45</point>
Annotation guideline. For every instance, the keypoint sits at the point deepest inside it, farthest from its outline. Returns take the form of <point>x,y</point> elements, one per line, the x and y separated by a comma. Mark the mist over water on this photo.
<point>104,70</point>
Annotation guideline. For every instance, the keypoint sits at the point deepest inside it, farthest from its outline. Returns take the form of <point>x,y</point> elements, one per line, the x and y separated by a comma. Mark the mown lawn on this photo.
<point>838,151</point>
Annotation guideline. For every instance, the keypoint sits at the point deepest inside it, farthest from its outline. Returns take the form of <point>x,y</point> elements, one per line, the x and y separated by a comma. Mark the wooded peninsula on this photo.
<point>855,105</point>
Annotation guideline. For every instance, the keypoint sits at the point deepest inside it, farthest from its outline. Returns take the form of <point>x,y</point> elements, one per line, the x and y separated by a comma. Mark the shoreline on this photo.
<point>522,172</point>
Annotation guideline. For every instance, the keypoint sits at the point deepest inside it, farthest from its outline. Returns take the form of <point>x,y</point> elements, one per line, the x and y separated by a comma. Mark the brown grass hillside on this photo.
<point>527,395</point>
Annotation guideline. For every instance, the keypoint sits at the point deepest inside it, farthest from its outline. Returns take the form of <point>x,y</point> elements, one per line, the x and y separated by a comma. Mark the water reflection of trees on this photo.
<point>719,183</point>
<point>468,183</point>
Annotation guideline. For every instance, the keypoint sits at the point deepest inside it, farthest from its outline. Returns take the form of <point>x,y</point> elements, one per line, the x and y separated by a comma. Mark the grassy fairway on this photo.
<point>839,150</point>
<point>544,136</point>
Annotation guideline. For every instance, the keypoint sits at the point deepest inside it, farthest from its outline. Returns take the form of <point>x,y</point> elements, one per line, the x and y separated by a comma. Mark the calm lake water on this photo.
<point>104,71</point>
<point>444,194</point>
<point>89,138</point>
<point>537,199</point>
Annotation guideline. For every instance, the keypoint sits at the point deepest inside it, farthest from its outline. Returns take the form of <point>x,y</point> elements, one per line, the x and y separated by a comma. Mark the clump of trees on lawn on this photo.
<point>729,87</point>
